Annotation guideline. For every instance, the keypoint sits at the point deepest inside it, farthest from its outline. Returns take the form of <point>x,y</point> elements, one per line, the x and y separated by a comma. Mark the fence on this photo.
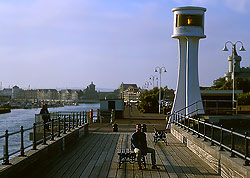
<point>226,139</point>
<point>59,123</point>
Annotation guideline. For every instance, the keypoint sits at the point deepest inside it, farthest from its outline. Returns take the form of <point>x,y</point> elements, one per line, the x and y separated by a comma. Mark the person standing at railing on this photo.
<point>45,116</point>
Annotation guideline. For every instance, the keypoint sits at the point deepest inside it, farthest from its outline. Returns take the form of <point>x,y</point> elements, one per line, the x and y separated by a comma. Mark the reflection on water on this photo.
<point>26,117</point>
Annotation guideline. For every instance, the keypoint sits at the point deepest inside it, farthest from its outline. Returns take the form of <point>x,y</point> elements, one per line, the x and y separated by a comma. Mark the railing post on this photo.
<point>52,129</point>
<point>22,146</point>
<point>212,134</point>
<point>221,138</point>
<point>198,128</point>
<point>184,123</point>
<point>77,119</point>
<point>205,131</point>
<point>188,124</point>
<point>232,143</point>
<point>194,127</point>
<point>69,127</point>
<point>34,136</point>
<point>83,118</point>
<point>44,133</point>
<point>73,121</point>
<point>59,127</point>
<point>98,115</point>
<point>246,149</point>
<point>80,117</point>
<point>6,149</point>
<point>64,125</point>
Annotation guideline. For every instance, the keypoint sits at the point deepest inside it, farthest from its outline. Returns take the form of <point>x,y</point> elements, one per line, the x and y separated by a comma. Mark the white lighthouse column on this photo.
<point>180,94</point>
<point>192,80</point>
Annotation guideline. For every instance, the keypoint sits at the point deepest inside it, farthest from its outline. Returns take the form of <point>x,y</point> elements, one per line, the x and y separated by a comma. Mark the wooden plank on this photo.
<point>66,169</point>
<point>108,160</point>
<point>89,161</point>
<point>199,166</point>
<point>97,169</point>
<point>181,151</point>
<point>121,173</point>
<point>114,165</point>
<point>166,163</point>
<point>162,171</point>
<point>59,163</point>
<point>177,157</point>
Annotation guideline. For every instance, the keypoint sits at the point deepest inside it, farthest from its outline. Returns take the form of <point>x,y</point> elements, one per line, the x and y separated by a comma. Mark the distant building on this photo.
<point>240,72</point>
<point>129,92</point>
<point>47,94</point>
<point>27,95</point>
<point>90,93</point>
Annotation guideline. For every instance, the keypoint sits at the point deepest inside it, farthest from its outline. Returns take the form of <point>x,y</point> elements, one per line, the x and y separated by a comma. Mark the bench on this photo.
<point>129,156</point>
<point>160,135</point>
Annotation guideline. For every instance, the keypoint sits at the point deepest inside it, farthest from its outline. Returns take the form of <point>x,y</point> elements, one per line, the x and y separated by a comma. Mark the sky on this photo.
<point>70,43</point>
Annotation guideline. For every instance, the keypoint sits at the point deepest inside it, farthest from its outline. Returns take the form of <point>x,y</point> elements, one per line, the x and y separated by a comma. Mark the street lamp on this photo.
<point>147,84</point>
<point>160,69</point>
<point>154,77</point>
<point>233,53</point>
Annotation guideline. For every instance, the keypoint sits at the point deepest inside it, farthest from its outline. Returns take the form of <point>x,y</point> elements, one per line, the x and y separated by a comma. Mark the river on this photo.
<point>26,117</point>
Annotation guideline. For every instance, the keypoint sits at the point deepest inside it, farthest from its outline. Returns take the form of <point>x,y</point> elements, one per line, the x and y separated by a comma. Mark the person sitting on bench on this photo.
<point>139,145</point>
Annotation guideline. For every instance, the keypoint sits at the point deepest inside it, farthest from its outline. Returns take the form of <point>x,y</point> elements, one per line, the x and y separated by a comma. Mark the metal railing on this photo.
<point>217,135</point>
<point>59,123</point>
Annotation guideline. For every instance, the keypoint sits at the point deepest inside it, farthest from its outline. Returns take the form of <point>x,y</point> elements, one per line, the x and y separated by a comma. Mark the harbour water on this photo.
<point>26,117</point>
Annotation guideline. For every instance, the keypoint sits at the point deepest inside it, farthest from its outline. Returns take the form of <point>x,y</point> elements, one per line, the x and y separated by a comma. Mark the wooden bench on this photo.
<point>129,156</point>
<point>160,135</point>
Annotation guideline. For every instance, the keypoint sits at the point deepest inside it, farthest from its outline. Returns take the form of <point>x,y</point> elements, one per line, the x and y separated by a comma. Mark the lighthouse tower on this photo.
<point>188,29</point>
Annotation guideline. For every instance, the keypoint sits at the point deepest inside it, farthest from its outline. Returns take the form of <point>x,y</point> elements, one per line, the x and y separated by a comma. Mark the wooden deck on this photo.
<point>96,156</point>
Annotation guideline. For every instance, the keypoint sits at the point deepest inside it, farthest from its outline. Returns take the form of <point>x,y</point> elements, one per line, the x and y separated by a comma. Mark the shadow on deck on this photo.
<point>96,156</point>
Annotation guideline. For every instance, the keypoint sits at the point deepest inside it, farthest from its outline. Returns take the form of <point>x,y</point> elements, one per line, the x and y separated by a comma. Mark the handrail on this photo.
<point>63,121</point>
<point>203,133</point>
<point>189,105</point>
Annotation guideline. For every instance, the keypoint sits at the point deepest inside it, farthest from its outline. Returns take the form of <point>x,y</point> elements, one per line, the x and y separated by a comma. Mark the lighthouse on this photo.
<point>188,29</point>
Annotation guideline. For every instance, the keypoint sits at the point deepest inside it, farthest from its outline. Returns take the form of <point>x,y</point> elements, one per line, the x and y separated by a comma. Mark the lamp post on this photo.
<point>233,65</point>
<point>147,84</point>
<point>160,69</point>
<point>154,77</point>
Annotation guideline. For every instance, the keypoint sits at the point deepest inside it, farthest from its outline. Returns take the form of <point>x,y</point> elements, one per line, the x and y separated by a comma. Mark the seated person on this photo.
<point>139,145</point>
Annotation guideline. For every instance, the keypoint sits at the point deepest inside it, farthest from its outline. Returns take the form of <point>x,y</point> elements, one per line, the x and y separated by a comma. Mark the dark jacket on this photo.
<point>138,140</point>
<point>45,115</point>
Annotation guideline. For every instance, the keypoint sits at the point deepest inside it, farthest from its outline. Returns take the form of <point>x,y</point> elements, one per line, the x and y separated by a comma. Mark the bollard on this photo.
<point>144,128</point>
<point>6,150</point>
<point>115,128</point>
<point>34,137</point>
<point>232,143</point>
<point>22,146</point>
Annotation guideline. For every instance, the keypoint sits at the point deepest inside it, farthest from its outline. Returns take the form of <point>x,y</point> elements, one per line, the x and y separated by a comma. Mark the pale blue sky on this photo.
<point>69,43</point>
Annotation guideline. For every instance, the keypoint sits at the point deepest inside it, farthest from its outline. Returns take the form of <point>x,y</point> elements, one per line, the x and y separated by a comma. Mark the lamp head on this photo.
<point>242,48</point>
<point>225,48</point>
<point>156,70</point>
<point>165,70</point>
